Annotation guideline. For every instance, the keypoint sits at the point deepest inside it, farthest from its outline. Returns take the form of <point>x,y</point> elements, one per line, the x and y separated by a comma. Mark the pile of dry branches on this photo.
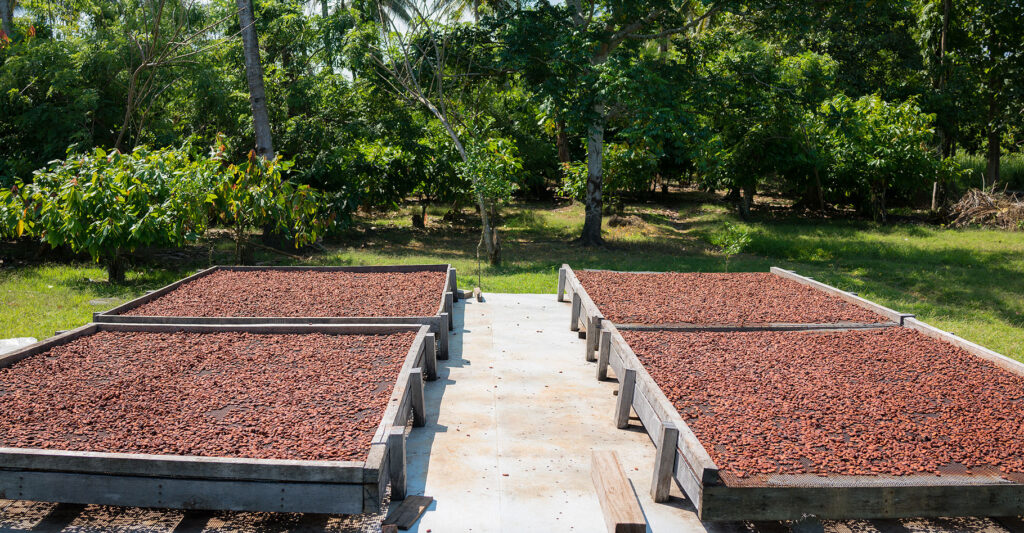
<point>988,208</point>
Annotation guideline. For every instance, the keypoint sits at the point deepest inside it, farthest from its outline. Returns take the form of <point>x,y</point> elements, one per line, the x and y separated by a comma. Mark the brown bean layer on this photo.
<point>714,298</point>
<point>304,293</point>
<point>313,397</point>
<point>888,401</point>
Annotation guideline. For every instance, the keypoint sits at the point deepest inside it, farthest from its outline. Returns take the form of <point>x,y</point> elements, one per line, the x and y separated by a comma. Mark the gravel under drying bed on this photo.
<point>866,402</point>
<point>714,299</point>
<point>301,293</point>
<point>306,396</point>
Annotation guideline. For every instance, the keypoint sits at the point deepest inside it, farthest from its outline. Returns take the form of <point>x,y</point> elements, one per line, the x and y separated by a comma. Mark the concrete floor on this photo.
<point>511,422</point>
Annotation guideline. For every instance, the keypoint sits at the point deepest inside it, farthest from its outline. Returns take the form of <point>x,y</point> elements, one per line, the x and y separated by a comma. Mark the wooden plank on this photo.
<point>10,358</point>
<point>408,512</point>
<point>664,463</point>
<point>723,503</point>
<point>991,356</point>
<point>895,316</point>
<point>604,348</point>
<point>219,494</point>
<point>622,512</point>
<point>396,462</point>
<point>627,382</point>
<point>764,326</point>
<point>182,466</point>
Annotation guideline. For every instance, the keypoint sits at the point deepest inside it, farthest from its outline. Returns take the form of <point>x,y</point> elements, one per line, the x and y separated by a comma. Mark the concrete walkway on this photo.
<point>511,423</point>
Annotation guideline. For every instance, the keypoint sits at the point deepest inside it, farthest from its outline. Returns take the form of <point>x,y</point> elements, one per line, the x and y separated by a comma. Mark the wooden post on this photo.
<point>442,336</point>
<point>627,382</point>
<point>430,357</point>
<point>561,284</point>
<point>453,284</point>
<point>449,303</point>
<point>577,304</point>
<point>604,352</point>
<point>419,403</point>
<point>664,463</point>
<point>396,462</point>
<point>593,334</point>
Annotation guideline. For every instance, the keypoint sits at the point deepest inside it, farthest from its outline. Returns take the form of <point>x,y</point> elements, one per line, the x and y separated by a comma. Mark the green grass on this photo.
<point>1011,170</point>
<point>970,282</point>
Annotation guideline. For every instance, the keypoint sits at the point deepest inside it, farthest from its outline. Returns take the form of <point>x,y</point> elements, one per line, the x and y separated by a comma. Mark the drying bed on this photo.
<point>408,294</point>
<point>703,299</point>
<point>293,418</point>
<point>775,425</point>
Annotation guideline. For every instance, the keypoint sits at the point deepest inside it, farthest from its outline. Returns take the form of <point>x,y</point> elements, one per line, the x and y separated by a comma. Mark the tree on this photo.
<point>994,49</point>
<point>575,47</point>
<point>254,78</point>
<point>109,205</point>
<point>255,195</point>
<point>161,36</point>
<point>418,61</point>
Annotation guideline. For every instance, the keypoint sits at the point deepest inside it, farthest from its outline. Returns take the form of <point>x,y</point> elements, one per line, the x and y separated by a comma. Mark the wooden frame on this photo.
<point>218,483</point>
<point>586,313</point>
<point>439,322</point>
<point>682,457</point>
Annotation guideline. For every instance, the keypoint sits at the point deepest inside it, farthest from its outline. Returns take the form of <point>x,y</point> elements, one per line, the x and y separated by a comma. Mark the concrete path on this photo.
<point>511,424</point>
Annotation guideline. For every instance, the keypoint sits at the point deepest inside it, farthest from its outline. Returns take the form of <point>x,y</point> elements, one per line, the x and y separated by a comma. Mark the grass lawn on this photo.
<point>970,282</point>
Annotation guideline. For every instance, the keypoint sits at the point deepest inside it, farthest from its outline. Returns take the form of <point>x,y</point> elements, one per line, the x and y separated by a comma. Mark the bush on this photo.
<point>873,147</point>
<point>256,195</point>
<point>109,205</point>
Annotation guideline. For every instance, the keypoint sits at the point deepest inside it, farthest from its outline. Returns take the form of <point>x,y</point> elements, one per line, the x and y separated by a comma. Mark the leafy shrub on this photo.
<point>874,147</point>
<point>732,240</point>
<point>256,195</point>
<point>109,205</point>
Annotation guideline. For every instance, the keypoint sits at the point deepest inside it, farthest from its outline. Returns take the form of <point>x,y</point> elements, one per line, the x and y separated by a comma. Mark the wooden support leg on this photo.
<point>442,337</point>
<point>604,352</point>
<point>453,284</point>
<point>419,403</point>
<point>664,463</point>
<point>593,334</point>
<point>449,304</point>
<point>561,284</point>
<point>430,357</point>
<point>396,462</point>
<point>576,305</point>
<point>627,382</point>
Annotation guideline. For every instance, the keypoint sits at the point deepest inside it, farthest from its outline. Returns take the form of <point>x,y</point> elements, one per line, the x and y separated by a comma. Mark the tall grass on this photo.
<point>1011,171</point>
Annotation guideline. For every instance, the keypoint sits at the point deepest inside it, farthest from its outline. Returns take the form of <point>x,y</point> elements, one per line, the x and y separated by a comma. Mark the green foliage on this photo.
<point>874,147</point>
<point>491,166</point>
<point>733,239</point>
<point>256,195</point>
<point>109,205</point>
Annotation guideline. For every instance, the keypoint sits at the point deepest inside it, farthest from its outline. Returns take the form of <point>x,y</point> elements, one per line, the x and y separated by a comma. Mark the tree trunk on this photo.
<point>992,155</point>
<point>562,142</point>
<point>328,53</point>
<point>7,17</point>
<point>116,268</point>
<point>595,151</point>
<point>254,75</point>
